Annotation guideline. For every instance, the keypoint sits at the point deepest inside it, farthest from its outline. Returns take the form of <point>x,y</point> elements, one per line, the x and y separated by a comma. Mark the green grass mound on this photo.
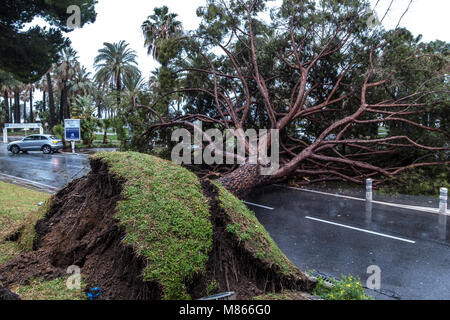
<point>165,216</point>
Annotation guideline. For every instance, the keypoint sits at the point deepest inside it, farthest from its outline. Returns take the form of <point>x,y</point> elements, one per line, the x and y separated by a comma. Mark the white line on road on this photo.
<point>362,230</point>
<point>258,205</point>
<point>404,206</point>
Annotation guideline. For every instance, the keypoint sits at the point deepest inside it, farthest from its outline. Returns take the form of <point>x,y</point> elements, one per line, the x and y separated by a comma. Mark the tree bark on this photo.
<point>24,112</point>
<point>5,96</point>
<point>16,106</point>
<point>10,109</point>
<point>43,101</point>
<point>31,106</point>
<point>243,180</point>
<point>64,111</point>
<point>51,101</point>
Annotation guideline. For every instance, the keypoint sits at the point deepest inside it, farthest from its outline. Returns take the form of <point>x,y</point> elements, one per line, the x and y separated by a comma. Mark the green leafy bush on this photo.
<point>421,181</point>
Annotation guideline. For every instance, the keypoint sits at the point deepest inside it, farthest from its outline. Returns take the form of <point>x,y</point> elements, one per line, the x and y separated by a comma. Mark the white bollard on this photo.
<point>369,190</point>
<point>443,201</point>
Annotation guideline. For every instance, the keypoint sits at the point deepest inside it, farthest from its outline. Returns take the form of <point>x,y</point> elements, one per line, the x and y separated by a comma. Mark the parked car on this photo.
<point>37,142</point>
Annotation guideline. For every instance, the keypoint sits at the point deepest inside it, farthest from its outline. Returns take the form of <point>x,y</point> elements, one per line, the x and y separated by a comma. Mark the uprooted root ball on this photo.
<point>140,227</point>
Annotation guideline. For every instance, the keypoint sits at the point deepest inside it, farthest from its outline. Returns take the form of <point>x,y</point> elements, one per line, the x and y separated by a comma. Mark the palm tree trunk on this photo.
<point>5,96</point>
<point>16,106</point>
<point>31,106</point>
<point>66,107</point>
<point>43,101</point>
<point>10,109</point>
<point>119,88</point>
<point>51,101</point>
<point>24,112</point>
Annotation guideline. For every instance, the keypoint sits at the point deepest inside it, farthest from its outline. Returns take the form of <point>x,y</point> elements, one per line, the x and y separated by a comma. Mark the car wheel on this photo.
<point>15,149</point>
<point>46,149</point>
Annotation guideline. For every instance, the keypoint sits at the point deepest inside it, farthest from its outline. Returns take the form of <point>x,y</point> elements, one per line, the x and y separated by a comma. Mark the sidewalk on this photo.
<point>360,192</point>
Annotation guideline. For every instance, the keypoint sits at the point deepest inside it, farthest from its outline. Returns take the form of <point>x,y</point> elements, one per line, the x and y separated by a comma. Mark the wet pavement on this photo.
<point>336,236</point>
<point>55,170</point>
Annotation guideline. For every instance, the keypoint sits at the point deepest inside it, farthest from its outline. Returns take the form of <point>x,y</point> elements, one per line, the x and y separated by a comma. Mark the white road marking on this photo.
<point>404,206</point>
<point>258,205</point>
<point>362,230</point>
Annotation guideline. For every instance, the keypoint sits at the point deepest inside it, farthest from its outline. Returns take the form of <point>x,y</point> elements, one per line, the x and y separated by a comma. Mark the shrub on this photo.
<point>348,288</point>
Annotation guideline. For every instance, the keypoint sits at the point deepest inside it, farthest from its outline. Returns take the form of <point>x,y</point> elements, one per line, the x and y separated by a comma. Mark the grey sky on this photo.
<point>121,20</point>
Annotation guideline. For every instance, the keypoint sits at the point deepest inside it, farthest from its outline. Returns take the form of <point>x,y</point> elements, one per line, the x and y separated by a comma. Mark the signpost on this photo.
<point>72,131</point>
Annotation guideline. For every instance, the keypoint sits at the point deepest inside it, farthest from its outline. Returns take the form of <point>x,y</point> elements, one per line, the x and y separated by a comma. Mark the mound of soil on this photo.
<point>80,229</point>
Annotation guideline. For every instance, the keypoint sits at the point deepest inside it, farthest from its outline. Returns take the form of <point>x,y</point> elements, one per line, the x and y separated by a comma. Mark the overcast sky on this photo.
<point>121,20</point>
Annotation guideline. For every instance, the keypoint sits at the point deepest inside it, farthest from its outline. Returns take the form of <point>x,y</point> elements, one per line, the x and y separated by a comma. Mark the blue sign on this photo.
<point>72,130</point>
<point>73,134</point>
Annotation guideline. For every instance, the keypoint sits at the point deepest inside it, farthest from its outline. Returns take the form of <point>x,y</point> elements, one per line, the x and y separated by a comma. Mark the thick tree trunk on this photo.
<point>51,101</point>
<point>243,180</point>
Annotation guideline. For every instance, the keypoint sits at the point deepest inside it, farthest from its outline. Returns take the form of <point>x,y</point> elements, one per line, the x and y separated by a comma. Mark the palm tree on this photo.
<point>65,72</point>
<point>81,83</point>
<point>43,86</point>
<point>133,86</point>
<point>114,62</point>
<point>17,87</point>
<point>158,27</point>
<point>6,90</point>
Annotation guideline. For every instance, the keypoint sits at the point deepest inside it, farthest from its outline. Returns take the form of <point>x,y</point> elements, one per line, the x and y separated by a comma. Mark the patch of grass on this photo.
<point>284,295</point>
<point>248,229</point>
<point>56,289</point>
<point>18,209</point>
<point>26,239</point>
<point>165,216</point>
<point>110,137</point>
<point>212,288</point>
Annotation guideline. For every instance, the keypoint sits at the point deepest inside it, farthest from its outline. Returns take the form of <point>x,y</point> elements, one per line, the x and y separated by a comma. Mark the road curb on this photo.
<point>27,183</point>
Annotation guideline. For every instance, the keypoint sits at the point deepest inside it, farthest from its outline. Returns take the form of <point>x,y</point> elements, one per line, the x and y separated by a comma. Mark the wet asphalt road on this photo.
<point>55,170</point>
<point>336,236</point>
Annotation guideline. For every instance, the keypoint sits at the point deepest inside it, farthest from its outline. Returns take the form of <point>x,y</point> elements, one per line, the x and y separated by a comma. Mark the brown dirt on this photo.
<point>234,267</point>
<point>80,229</point>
